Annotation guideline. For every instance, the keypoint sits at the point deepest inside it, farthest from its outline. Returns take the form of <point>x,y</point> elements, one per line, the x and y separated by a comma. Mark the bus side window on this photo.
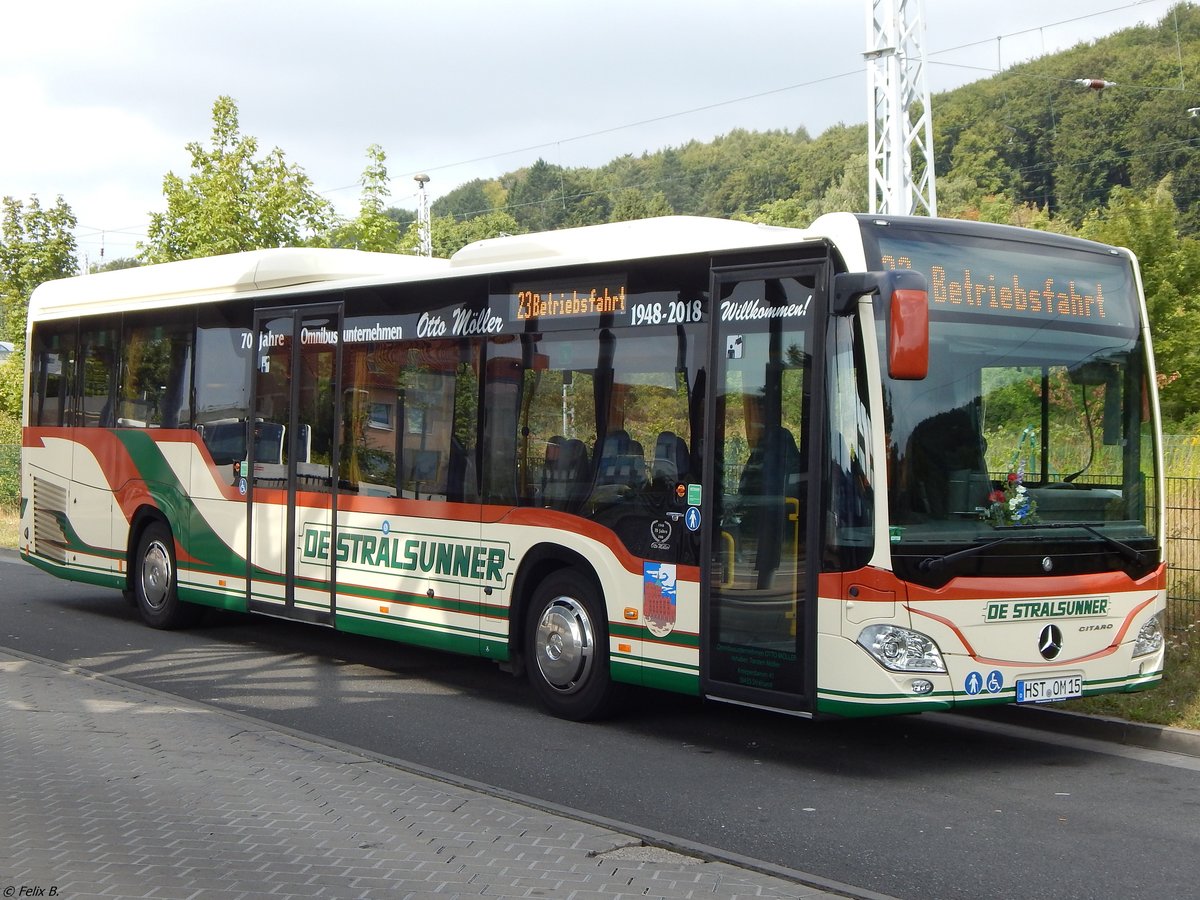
<point>566,474</point>
<point>52,374</point>
<point>222,379</point>
<point>99,385</point>
<point>621,460</point>
<point>156,362</point>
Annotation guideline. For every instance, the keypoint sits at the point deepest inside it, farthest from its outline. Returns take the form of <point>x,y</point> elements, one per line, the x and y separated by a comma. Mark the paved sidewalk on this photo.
<point>111,790</point>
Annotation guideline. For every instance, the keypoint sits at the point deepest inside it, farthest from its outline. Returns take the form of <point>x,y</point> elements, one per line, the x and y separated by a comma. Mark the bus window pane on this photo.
<point>99,350</point>
<point>849,535</point>
<point>502,404</point>
<point>273,445</point>
<point>605,432</point>
<point>409,419</point>
<point>156,371</point>
<point>313,440</point>
<point>223,353</point>
<point>51,374</point>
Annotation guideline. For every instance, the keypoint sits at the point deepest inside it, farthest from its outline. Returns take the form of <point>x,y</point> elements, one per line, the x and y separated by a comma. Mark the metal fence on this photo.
<point>1183,543</point>
<point>1183,559</point>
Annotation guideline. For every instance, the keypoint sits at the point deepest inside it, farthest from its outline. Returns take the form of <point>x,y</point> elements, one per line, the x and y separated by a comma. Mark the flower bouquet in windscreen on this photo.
<point>1011,504</point>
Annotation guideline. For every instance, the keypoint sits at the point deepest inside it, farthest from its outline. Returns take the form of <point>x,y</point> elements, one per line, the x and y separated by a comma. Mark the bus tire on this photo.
<point>566,641</point>
<point>154,581</point>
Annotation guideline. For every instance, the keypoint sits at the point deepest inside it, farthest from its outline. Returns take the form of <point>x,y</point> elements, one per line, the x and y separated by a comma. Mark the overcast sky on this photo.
<point>99,99</point>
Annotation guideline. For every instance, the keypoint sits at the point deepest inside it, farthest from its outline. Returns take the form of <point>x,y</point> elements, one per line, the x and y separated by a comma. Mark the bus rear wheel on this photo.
<point>154,581</point>
<point>567,644</point>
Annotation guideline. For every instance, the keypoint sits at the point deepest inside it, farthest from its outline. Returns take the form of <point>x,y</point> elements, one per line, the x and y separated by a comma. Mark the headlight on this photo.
<point>1149,639</point>
<point>901,649</point>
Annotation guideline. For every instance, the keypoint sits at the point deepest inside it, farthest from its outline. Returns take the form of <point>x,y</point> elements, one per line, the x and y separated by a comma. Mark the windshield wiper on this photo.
<point>936,563</point>
<point>1129,554</point>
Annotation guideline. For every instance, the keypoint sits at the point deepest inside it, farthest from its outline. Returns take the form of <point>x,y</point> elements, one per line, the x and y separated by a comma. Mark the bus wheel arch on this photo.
<point>141,517</point>
<point>153,581</point>
<point>562,622</point>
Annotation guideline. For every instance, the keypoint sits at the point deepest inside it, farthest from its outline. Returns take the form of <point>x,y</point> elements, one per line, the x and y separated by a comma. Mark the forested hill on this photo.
<point>1028,137</point>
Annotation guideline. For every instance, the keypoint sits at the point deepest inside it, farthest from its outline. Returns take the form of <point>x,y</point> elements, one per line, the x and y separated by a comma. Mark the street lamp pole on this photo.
<point>425,239</point>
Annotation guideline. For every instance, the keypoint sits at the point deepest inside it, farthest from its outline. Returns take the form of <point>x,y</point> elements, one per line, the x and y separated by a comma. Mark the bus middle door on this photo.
<point>292,458</point>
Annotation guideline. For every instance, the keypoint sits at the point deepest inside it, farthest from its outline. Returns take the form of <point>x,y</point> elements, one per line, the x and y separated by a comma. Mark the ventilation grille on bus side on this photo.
<point>49,510</point>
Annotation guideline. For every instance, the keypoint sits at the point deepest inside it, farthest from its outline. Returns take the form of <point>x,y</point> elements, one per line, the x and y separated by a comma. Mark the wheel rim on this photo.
<point>565,645</point>
<point>156,575</point>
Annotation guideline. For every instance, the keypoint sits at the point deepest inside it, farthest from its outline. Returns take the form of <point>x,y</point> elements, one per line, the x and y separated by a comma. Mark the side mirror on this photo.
<point>905,298</point>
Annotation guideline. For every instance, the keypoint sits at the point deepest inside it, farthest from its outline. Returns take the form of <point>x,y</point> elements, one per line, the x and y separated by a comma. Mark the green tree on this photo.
<point>1145,222</point>
<point>450,235</point>
<point>847,194</point>
<point>467,200</point>
<point>633,204</point>
<point>36,245</point>
<point>373,229</point>
<point>113,265</point>
<point>234,200</point>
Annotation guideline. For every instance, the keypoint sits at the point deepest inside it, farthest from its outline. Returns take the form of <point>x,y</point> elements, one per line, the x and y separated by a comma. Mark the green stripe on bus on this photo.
<point>638,633</point>
<point>77,572</point>
<point>76,544</point>
<point>204,595</point>
<point>387,595</point>
<point>437,637</point>
<point>203,545</point>
<point>678,678</point>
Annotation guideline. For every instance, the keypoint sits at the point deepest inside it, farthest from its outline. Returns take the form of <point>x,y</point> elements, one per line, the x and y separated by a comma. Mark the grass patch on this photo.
<point>10,519</point>
<point>1175,702</point>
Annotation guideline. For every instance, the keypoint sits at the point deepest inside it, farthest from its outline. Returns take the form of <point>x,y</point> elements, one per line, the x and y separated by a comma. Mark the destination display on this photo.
<point>1016,280</point>
<point>569,299</point>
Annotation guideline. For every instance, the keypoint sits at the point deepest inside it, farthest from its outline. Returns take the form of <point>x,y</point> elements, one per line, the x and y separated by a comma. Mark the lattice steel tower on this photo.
<point>896,83</point>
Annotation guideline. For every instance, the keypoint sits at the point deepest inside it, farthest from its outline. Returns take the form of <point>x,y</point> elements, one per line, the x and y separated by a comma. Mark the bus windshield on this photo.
<point>1032,425</point>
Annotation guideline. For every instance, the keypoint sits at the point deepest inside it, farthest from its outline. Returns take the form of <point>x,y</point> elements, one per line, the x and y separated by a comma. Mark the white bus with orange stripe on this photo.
<point>878,465</point>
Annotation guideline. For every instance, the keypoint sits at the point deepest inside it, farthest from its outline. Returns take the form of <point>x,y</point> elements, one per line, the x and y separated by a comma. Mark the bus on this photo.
<point>878,465</point>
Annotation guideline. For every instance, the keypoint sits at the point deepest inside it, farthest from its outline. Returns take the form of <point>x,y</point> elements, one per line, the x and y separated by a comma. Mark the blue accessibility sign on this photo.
<point>974,683</point>
<point>692,518</point>
<point>995,681</point>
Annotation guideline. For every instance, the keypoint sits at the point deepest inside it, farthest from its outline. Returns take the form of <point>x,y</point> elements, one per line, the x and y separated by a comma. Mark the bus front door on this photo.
<point>757,575</point>
<point>292,458</point>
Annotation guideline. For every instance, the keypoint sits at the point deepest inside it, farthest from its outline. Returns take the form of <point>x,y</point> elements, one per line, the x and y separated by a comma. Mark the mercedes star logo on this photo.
<point>1050,642</point>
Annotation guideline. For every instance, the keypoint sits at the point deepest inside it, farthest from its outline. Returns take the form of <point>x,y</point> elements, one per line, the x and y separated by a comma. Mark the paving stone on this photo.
<point>111,791</point>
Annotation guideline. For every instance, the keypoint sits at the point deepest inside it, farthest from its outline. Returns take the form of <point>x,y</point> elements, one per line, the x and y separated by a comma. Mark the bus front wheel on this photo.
<point>154,581</point>
<point>567,645</point>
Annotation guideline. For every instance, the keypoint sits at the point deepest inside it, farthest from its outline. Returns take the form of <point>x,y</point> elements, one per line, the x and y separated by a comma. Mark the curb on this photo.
<point>1183,741</point>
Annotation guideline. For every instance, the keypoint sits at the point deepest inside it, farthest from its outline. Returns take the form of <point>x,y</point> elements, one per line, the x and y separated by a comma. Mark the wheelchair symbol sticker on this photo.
<point>976,683</point>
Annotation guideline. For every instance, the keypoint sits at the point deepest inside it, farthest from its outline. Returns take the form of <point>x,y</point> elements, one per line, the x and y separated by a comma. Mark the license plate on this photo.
<point>1047,690</point>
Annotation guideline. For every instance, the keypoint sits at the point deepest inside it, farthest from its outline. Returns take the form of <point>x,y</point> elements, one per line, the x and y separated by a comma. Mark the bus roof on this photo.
<point>636,239</point>
<point>220,277</point>
<point>225,275</point>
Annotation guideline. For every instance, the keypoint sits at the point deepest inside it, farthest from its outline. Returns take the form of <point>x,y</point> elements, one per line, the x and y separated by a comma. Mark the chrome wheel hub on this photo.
<point>156,575</point>
<point>565,644</point>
